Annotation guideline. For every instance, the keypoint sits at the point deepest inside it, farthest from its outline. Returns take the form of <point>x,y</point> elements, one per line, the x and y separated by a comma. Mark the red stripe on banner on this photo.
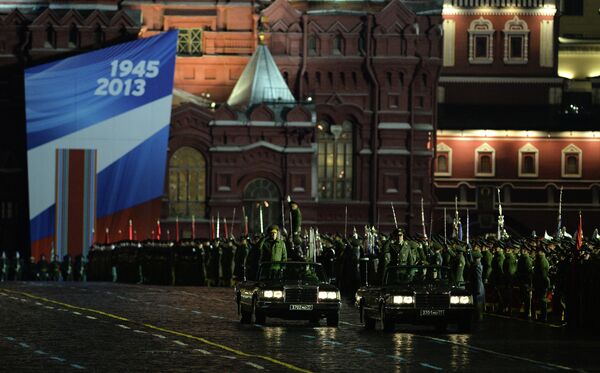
<point>76,201</point>
<point>143,218</point>
<point>42,246</point>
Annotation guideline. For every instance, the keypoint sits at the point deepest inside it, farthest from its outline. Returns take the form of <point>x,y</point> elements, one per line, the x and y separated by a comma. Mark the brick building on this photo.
<point>509,121</point>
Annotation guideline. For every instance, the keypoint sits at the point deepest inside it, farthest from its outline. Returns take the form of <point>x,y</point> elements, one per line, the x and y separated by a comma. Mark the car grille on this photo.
<point>301,295</point>
<point>432,300</point>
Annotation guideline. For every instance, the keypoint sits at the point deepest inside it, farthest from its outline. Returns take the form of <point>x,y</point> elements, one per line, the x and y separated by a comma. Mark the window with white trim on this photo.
<point>516,41</point>
<point>571,161</point>
<point>443,160</point>
<point>485,161</point>
<point>528,161</point>
<point>481,38</point>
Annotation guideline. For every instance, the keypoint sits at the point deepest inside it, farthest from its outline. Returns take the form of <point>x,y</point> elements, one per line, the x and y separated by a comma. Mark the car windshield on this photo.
<point>404,275</point>
<point>286,272</point>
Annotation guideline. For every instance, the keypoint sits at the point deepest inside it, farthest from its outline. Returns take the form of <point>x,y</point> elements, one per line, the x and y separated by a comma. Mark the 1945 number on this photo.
<point>121,82</point>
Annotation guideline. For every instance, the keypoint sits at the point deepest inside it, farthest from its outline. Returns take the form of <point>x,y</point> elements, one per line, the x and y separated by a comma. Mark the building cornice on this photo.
<point>511,135</point>
<point>264,144</point>
<point>500,79</point>
<point>488,11</point>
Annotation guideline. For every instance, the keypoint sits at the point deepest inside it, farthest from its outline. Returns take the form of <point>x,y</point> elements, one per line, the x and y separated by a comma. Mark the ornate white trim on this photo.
<point>516,28</point>
<point>570,149</point>
<point>528,148</point>
<point>443,148</point>
<point>481,28</point>
<point>485,148</point>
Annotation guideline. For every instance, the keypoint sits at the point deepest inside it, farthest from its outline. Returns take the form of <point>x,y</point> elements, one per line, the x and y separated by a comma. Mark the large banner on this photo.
<point>97,133</point>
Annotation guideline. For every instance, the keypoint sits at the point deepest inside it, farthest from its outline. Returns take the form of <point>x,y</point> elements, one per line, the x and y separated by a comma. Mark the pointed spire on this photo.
<point>261,81</point>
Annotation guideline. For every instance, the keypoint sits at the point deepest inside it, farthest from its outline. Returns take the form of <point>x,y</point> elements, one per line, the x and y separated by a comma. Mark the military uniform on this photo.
<point>510,272</point>
<point>272,249</point>
<point>541,283</point>
<point>525,278</point>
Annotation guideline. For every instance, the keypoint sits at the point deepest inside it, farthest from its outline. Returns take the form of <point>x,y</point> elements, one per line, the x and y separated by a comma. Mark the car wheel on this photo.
<point>333,319</point>
<point>259,317</point>
<point>246,316</point>
<point>387,323</point>
<point>369,322</point>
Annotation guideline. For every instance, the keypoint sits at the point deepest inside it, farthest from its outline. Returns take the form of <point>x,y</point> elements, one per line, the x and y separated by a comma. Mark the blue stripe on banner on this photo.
<point>42,225</point>
<point>128,182</point>
<point>62,97</point>
<point>133,179</point>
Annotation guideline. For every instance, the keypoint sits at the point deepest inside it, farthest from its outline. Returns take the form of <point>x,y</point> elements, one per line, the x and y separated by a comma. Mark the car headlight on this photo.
<point>403,299</point>
<point>463,299</point>
<point>466,300</point>
<point>272,294</point>
<point>328,295</point>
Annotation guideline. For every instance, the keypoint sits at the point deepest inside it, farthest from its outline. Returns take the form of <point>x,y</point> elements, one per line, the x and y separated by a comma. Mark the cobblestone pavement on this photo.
<point>106,327</point>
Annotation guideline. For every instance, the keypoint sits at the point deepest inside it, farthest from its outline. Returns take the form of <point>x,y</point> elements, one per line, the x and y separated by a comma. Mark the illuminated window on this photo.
<point>189,42</point>
<point>528,161</point>
<point>187,183</point>
<point>571,161</point>
<point>516,41</point>
<point>485,161</point>
<point>443,160</point>
<point>335,160</point>
<point>481,36</point>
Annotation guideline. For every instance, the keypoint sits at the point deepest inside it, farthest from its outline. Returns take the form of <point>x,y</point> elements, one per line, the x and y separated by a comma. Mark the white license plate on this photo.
<point>301,307</point>
<point>432,312</point>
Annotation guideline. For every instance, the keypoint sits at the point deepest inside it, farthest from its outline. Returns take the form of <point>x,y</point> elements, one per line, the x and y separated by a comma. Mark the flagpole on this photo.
<point>218,224</point>
<point>346,221</point>
<point>423,219</point>
<point>445,226</point>
<point>558,231</point>
<point>232,220</point>
<point>394,215</point>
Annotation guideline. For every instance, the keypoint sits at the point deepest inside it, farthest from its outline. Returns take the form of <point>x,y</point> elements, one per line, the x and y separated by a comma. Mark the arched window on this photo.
<point>485,161</point>
<point>335,160</point>
<point>528,161</point>
<point>571,161</point>
<point>187,183</point>
<point>262,194</point>
<point>481,37</point>
<point>516,41</point>
<point>443,160</point>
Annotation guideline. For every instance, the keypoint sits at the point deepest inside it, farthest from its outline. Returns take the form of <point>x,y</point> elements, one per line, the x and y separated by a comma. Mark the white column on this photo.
<point>449,42</point>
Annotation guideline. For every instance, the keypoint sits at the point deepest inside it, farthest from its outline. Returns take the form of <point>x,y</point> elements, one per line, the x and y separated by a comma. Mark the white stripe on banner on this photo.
<point>113,138</point>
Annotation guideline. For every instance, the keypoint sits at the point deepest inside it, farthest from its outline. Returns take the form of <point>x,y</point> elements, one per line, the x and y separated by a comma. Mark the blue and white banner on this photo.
<point>114,102</point>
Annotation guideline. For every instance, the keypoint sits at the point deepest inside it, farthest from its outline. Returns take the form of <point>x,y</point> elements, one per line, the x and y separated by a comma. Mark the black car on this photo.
<point>416,295</point>
<point>288,290</point>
